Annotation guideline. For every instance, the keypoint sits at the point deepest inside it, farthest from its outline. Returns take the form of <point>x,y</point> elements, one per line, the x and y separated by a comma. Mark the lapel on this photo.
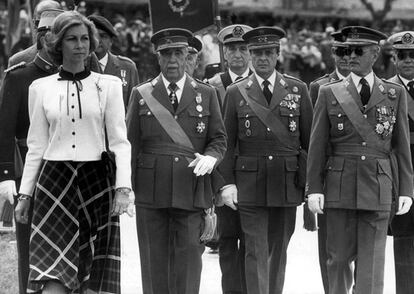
<point>254,91</point>
<point>188,95</point>
<point>112,65</point>
<point>160,93</point>
<point>333,76</point>
<point>280,90</point>
<point>225,79</point>
<point>410,99</point>
<point>353,91</point>
<point>378,93</point>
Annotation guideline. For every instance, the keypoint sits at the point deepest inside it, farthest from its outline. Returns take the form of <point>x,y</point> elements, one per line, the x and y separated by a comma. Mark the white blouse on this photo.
<point>65,129</point>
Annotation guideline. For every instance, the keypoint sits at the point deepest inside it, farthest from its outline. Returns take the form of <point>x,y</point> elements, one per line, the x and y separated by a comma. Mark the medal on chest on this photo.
<point>123,76</point>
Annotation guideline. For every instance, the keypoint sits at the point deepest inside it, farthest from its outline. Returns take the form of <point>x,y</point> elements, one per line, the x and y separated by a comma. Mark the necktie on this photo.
<point>238,78</point>
<point>266,91</point>
<point>365,91</point>
<point>173,97</point>
<point>411,88</point>
<point>102,65</point>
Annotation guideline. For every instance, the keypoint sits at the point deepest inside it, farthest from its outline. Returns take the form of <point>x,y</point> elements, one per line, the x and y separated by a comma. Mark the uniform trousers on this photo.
<point>404,264</point>
<point>231,250</point>
<point>155,227</point>
<point>267,232</point>
<point>323,255</point>
<point>360,236</point>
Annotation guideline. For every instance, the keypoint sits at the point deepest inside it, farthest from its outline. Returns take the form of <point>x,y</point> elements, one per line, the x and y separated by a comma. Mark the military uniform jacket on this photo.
<point>162,179</point>
<point>262,169</point>
<point>356,175</point>
<point>125,69</point>
<point>403,225</point>
<point>221,81</point>
<point>14,113</point>
<point>316,84</point>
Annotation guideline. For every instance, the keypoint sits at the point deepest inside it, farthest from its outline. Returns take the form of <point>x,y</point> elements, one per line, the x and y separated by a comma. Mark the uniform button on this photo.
<point>363,157</point>
<point>270,157</point>
<point>73,94</point>
<point>365,116</point>
<point>149,113</point>
<point>268,129</point>
<point>364,143</point>
<point>176,116</point>
<point>73,146</point>
<point>339,115</point>
<point>73,120</point>
<point>6,172</point>
<point>200,115</point>
<point>73,133</point>
<point>291,115</point>
<point>176,159</point>
<point>73,106</point>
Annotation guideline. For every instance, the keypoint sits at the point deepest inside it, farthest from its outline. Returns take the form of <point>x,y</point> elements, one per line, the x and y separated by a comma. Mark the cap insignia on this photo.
<point>407,39</point>
<point>354,34</point>
<point>238,32</point>
<point>262,39</point>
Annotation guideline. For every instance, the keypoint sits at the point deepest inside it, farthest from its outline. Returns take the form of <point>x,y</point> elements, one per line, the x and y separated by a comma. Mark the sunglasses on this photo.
<point>340,51</point>
<point>359,51</point>
<point>401,55</point>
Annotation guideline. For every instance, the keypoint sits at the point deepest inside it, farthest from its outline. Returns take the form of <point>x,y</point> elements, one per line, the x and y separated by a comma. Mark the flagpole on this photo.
<point>217,21</point>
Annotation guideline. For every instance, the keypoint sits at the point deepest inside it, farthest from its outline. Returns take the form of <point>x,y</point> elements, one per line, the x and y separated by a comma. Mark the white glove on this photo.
<point>229,196</point>
<point>8,190</point>
<point>316,202</point>
<point>404,204</point>
<point>203,164</point>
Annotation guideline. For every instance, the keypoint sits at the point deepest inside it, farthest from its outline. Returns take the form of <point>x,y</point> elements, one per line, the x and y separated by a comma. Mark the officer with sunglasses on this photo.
<point>402,226</point>
<point>359,163</point>
<point>339,54</point>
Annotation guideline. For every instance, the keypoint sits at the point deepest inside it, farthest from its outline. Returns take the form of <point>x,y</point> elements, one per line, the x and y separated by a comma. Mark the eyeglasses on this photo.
<point>340,51</point>
<point>401,55</point>
<point>359,51</point>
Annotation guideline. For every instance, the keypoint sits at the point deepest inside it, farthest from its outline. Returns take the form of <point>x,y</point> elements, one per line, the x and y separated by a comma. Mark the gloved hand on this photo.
<point>316,202</point>
<point>229,196</point>
<point>21,211</point>
<point>8,190</point>
<point>404,204</point>
<point>203,164</point>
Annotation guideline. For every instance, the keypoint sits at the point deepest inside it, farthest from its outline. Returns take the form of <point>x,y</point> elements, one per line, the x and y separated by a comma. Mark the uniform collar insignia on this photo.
<point>381,87</point>
<point>249,83</point>
<point>154,82</point>
<point>283,83</point>
<point>194,84</point>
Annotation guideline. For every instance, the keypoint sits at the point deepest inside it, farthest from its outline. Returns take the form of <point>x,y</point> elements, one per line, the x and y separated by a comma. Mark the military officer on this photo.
<point>402,226</point>
<point>177,136</point>
<point>194,48</point>
<point>362,121</point>
<point>14,125</point>
<point>268,117</point>
<point>120,66</point>
<point>341,71</point>
<point>236,55</point>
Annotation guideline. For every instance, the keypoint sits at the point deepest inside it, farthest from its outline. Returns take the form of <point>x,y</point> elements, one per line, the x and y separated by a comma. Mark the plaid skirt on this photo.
<point>74,239</point>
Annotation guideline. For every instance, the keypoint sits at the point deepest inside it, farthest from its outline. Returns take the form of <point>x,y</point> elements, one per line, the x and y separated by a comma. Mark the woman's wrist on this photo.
<point>24,197</point>
<point>123,190</point>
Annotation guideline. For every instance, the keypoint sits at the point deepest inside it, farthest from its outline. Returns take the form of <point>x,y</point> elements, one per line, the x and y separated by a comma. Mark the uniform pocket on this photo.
<point>291,118</point>
<point>293,194</point>
<point>145,179</point>
<point>246,179</point>
<point>200,118</point>
<point>338,122</point>
<point>384,177</point>
<point>334,169</point>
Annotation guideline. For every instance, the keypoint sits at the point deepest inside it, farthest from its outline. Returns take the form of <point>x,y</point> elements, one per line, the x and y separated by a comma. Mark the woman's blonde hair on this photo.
<point>61,25</point>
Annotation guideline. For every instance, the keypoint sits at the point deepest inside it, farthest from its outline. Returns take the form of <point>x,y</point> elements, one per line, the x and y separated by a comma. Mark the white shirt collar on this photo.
<point>340,76</point>
<point>404,80</point>
<point>104,61</point>
<point>234,76</point>
<point>180,86</point>
<point>271,79</point>
<point>369,78</point>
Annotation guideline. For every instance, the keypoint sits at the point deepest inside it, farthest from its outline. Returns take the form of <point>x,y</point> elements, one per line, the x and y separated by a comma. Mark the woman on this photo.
<point>74,245</point>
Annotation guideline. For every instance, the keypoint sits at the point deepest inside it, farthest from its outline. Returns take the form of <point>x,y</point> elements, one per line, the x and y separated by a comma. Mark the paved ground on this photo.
<point>302,273</point>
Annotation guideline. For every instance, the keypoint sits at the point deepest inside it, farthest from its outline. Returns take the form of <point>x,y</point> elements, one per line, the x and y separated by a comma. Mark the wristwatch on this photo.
<point>123,190</point>
<point>24,197</point>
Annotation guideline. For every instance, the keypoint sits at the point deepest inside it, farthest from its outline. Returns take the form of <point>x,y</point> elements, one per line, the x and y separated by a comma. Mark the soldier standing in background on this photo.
<point>116,65</point>
<point>359,159</point>
<point>194,48</point>
<point>268,118</point>
<point>402,226</point>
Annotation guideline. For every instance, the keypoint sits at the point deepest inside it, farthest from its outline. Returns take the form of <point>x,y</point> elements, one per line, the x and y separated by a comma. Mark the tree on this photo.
<point>378,16</point>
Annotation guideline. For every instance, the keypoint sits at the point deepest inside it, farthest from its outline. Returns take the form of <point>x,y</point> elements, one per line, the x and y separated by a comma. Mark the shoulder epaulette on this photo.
<point>332,82</point>
<point>125,58</point>
<point>390,82</point>
<point>239,80</point>
<point>13,67</point>
<point>291,77</point>
<point>321,78</point>
<point>142,83</point>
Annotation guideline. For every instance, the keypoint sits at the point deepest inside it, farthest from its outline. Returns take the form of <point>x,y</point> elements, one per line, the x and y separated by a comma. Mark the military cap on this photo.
<point>101,23</point>
<point>264,37</point>
<point>47,17</point>
<point>402,40</point>
<point>338,39</point>
<point>171,38</point>
<point>194,45</point>
<point>233,33</point>
<point>359,35</point>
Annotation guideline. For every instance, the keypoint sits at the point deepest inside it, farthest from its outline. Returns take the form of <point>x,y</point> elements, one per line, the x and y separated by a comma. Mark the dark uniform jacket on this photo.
<point>264,173</point>
<point>221,81</point>
<point>125,69</point>
<point>14,113</point>
<point>358,175</point>
<point>162,178</point>
<point>316,84</point>
<point>27,55</point>
<point>403,225</point>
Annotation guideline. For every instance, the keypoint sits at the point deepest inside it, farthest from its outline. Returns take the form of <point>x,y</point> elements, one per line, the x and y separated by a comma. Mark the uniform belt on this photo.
<point>358,150</point>
<point>264,148</point>
<point>21,142</point>
<point>166,148</point>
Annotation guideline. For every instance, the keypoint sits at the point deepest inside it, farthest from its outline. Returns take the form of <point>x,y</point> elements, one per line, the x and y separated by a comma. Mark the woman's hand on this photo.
<point>22,210</point>
<point>121,201</point>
